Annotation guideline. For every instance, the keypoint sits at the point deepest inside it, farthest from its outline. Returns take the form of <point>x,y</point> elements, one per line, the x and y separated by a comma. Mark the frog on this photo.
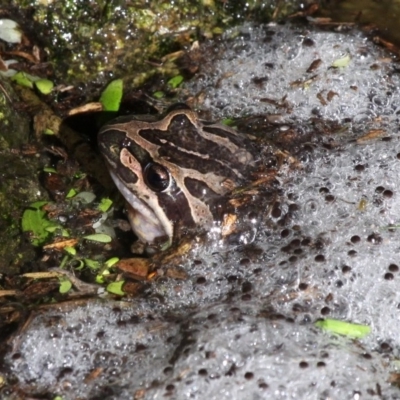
<point>182,176</point>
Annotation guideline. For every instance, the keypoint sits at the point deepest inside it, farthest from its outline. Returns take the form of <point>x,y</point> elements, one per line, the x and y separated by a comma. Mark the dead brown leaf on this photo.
<point>314,65</point>
<point>176,273</point>
<point>61,244</point>
<point>86,108</point>
<point>371,135</point>
<point>38,289</point>
<point>228,224</point>
<point>4,293</point>
<point>94,374</point>
<point>132,288</point>
<point>136,268</point>
<point>22,54</point>
<point>388,45</point>
<point>331,94</point>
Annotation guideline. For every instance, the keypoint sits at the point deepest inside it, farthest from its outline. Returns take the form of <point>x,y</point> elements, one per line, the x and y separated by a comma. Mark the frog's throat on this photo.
<point>146,224</point>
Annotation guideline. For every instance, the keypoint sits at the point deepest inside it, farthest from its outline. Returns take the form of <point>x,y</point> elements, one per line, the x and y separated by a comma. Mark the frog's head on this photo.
<point>173,171</point>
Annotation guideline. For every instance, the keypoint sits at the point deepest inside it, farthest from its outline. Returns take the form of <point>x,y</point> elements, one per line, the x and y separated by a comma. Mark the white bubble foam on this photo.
<point>241,326</point>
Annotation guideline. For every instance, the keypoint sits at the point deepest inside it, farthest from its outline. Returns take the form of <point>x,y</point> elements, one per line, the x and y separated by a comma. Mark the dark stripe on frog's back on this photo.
<point>204,166</point>
<point>182,134</point>
<point>228,133</point>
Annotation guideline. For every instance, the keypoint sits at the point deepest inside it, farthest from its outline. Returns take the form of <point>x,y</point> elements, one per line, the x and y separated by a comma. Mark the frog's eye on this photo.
<point>156,177</point>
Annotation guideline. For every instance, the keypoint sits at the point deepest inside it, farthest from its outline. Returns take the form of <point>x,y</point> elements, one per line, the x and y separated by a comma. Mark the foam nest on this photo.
<point>242,325</point>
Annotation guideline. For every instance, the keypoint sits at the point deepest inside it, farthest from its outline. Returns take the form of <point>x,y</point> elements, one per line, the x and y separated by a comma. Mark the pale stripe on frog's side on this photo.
<point>176,173</point>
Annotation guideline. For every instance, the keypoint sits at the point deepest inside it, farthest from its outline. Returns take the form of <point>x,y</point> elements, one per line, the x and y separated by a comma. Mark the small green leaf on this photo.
<point>10,31</point>
<point>44,86</point>
<point>34,220</point>
<point>23,79</point>
<point>86,197</point>
<point>79,175</point>
<point>228,122</point>
<point>217,31</point>
<point>342,62</point>
<point>72,193</point>
<point>48,131</point>
<point>344,328</point>
<point>92,264</point>
<point>175,81</point>
<point>64,261</point>
<point>105,204</point>
<point>111,261</point>
<point>116,288</point>
<point>49,170</point>
<point>80,266</point>
<point>158,95</point>
<point>99,237</point>
<point>100,277</point>
<point>65,285</point>
<point>70,250</point>
<point>390,227</point>
<point>112,95</point>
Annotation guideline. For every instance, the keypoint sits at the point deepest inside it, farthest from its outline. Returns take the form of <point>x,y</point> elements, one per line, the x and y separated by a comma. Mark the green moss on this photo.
<point>113,39</point>
<point>15,195</point>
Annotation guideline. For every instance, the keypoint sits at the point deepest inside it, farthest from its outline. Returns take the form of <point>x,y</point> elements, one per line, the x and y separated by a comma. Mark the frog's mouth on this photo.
<point>145,223</point>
